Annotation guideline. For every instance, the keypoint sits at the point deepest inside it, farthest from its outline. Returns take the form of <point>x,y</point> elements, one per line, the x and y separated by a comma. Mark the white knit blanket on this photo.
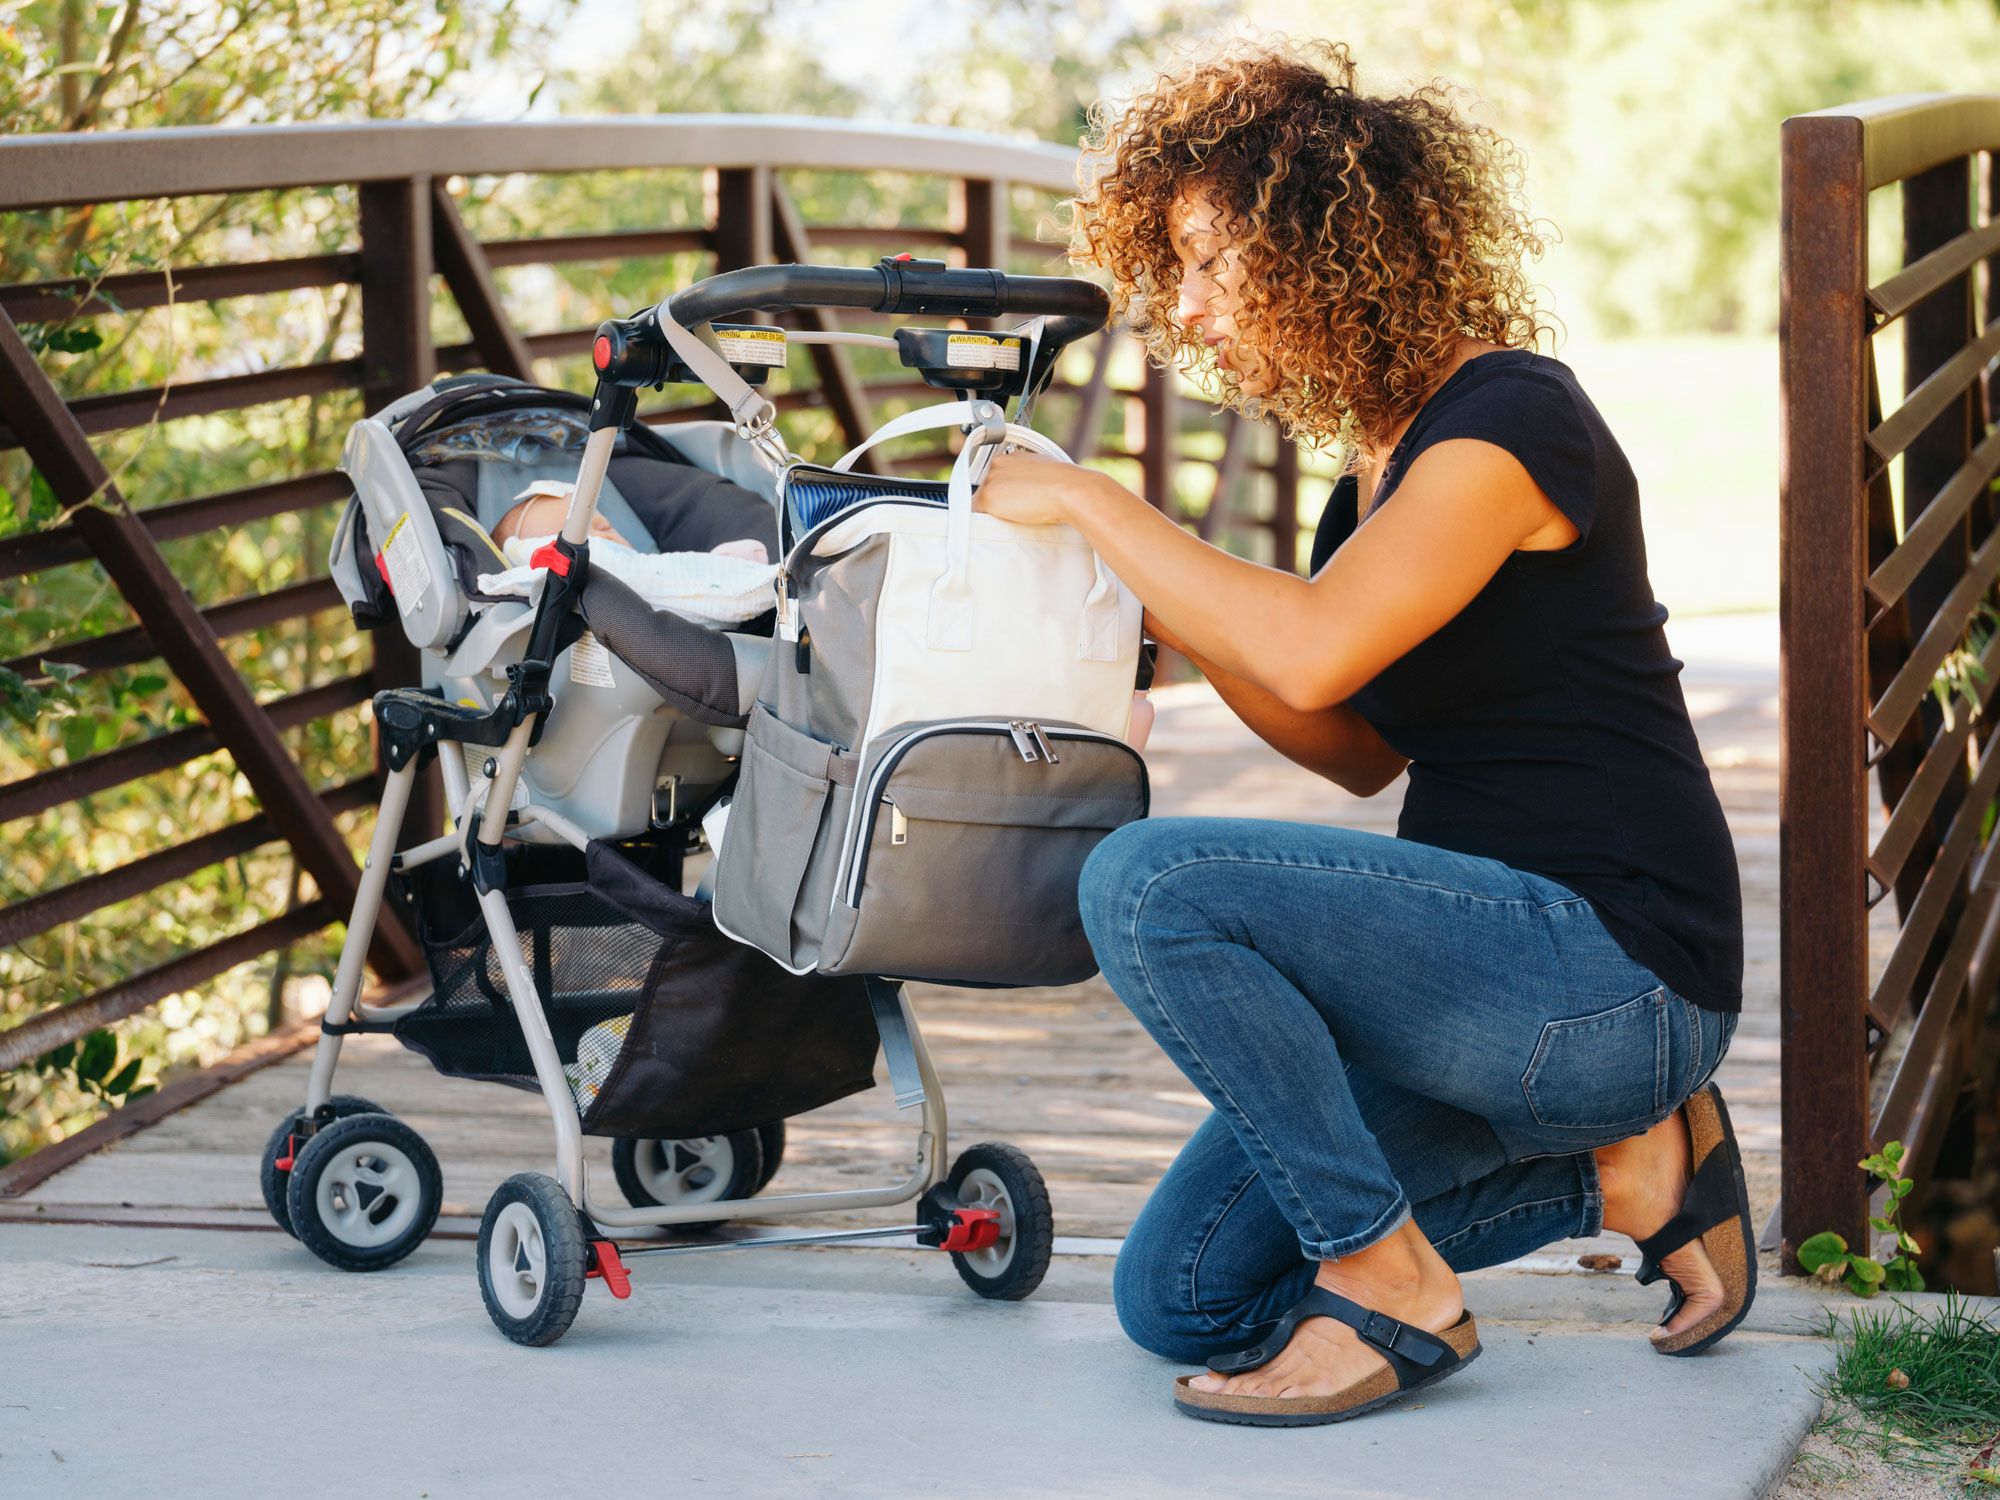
<point>707,586</point>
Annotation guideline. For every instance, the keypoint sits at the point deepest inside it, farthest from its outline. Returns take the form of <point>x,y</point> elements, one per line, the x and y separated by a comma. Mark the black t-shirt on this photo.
<point>1544,723</point>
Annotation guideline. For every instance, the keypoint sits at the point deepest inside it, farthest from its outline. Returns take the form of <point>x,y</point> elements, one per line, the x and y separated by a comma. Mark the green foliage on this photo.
<point>1826,1258</point>
<point>1924,1386</point>
<point>92,1063</point>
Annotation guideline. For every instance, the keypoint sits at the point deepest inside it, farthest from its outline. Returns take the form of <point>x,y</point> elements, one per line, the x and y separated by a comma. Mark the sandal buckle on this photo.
<point>1380,1330</point>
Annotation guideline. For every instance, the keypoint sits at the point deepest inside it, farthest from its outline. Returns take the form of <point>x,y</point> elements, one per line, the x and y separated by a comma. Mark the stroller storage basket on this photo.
<point>665,1027</point>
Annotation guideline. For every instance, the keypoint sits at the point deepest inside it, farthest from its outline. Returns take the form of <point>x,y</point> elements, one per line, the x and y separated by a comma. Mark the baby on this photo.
<point>541,512</point>
<point>726,585</point>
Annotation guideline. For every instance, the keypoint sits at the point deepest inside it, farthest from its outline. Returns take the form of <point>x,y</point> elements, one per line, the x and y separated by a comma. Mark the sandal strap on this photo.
<point>1710,1200</point>
<point>1412,1352</point>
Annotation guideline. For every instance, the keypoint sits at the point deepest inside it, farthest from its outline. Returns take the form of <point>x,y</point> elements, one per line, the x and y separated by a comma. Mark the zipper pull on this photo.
<point>802,652</point>
<point>1048,750</point>
<point>1022,743</point>
<point>899,826</point>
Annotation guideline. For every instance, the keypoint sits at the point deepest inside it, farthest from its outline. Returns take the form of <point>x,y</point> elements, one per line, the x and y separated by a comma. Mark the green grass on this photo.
<point>1947,1418</point>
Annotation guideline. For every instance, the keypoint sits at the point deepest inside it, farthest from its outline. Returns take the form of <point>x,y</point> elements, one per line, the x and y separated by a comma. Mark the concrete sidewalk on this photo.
<point>231,1364</point>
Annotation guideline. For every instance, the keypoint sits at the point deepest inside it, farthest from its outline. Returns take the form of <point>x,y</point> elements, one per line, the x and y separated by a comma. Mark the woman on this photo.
<point>1442,1050</point>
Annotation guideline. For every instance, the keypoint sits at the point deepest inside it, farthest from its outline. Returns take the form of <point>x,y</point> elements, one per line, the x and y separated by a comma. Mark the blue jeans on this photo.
<point>1387,1031</point>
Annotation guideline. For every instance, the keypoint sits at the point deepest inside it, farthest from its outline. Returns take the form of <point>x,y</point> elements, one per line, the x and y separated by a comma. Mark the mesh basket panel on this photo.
<point>588,961</point>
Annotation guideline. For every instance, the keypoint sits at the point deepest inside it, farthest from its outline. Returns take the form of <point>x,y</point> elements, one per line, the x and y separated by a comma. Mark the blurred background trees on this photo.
<point>1650,128</point>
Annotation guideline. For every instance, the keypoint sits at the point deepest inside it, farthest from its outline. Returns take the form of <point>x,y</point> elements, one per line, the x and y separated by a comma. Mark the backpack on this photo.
<point>937,739</point>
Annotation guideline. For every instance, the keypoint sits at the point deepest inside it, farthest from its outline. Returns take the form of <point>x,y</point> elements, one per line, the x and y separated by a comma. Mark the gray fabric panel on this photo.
<point>837,604</point>
<point>1051,810</point>
<point>689,665</point>
<point>682,508</point>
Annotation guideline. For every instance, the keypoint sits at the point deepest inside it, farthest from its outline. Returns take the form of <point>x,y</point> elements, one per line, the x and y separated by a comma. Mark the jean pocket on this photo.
<point>1606,1071</point>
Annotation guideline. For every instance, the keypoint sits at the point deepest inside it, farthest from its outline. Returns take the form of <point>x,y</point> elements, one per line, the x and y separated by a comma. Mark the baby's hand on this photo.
<point>748,548</point>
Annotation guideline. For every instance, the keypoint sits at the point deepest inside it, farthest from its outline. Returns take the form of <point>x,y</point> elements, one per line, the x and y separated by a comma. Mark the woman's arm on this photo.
<point>1335,742</point>
<point>1310,643</point>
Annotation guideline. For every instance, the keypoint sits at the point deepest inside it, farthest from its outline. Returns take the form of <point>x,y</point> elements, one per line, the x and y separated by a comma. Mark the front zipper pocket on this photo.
<point>963,846</point>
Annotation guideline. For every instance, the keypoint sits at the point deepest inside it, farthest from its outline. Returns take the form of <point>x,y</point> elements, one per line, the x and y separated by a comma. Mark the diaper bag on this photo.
<point>937,742</point>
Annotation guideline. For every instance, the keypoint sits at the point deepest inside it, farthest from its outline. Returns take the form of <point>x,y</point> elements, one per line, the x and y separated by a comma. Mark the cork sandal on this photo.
<point>1417,1358</point>
<point>1716,1209</point>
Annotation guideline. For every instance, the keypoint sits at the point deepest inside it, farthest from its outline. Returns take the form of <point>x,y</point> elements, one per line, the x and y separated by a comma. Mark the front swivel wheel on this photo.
<point>533,1259</point>
<point>1000,1177</point>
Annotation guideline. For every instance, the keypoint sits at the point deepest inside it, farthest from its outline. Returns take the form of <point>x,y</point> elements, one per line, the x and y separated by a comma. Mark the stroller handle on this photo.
<point>1075,308</point>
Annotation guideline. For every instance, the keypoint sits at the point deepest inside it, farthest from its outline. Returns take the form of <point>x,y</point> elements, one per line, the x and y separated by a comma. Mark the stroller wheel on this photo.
<point>772,1138</point>
<point>532,1259</point>
<point>697,1169</point>
<point>364,1192</point>
<point>995,1175</point>
<point>272,1177</point>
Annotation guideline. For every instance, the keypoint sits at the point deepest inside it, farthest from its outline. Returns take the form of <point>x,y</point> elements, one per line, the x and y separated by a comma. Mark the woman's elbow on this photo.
<point>1310,690</point>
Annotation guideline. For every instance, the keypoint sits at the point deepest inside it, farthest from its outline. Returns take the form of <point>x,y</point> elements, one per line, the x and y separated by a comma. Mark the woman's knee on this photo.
<point>1154,1316</point>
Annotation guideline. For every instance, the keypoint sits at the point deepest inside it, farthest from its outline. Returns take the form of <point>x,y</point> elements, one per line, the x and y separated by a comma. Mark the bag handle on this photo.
<point>966,413</point>
<point>950,624</point>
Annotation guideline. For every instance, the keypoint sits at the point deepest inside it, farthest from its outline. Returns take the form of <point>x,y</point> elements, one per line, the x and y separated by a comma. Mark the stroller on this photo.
<point>583,735</point>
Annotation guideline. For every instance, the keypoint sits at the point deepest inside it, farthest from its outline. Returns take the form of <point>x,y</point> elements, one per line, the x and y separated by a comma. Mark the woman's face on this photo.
<point>1211,286</point>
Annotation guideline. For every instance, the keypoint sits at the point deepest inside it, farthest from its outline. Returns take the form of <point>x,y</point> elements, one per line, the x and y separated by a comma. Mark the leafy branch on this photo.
<point>1827,1259</point>
<point>93,1064</point>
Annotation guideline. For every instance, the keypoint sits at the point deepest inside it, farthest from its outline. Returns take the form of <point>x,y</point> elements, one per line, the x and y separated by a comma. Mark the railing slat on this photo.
<point>1945,755</point>
<point>1940,638</point>
<point>1938,390</point>
<point>31,551</point>
<point>79,898</point>
<point>1920,925</point>
<point>1919,279</point>
<point>1936,521</point>
<point>198,398</point>
<point>47,301</point>
<point>624,244</point>
<point>51,1028</point>
<point>99,773</point>
<point>122,648</point>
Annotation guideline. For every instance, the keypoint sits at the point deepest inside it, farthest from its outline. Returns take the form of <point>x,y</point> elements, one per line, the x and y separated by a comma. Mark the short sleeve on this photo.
<point>1336,521</point>
<point>1536,417</point>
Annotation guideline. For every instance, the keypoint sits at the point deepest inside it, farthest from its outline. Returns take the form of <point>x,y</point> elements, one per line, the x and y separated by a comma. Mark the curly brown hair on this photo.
<point>1375,231</point>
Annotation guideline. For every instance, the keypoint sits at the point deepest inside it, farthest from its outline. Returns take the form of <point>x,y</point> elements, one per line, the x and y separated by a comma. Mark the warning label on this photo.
<point>403,556</point>
<point>589,662</point>
<point>981,351</point>
<point>752,346</point>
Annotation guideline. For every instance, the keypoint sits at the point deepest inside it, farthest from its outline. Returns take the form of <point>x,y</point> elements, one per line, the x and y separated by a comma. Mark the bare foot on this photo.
<point>1644,1178</point>
<point>1400,1276</point>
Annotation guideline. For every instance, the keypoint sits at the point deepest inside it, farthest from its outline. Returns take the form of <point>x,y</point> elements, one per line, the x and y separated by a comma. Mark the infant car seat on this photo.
<point>435,470</point>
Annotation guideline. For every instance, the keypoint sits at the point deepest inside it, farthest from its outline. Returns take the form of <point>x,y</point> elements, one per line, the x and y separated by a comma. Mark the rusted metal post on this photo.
<point>739,211</point>
<point>979,217</point>
<point>1822,778</point>
<point>1160,402</point>
<point>1285,503</point>
<point>398,356</point>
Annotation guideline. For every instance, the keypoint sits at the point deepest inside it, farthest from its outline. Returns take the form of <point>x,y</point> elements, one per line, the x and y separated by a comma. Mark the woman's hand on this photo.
<point>1028,489</point>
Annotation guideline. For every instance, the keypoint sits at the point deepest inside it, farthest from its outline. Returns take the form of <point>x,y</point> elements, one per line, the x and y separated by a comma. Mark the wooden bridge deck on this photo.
<point>1066,1074</point>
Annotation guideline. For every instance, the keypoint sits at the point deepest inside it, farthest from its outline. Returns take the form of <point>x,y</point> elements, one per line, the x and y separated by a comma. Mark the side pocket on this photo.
<point>1607,1071</point>
<point>774,823</point>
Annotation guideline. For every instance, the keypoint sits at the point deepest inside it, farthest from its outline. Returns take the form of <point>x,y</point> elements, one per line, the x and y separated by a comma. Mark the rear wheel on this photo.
<point>364,1192</point>
<point>772,1138</point>
<point>533,1259</point>
<point>273,1177</point>
<point>697,1169</point>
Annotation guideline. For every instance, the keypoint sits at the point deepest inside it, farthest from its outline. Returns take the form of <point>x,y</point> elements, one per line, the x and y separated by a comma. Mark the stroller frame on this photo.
<point>343,1155</point>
